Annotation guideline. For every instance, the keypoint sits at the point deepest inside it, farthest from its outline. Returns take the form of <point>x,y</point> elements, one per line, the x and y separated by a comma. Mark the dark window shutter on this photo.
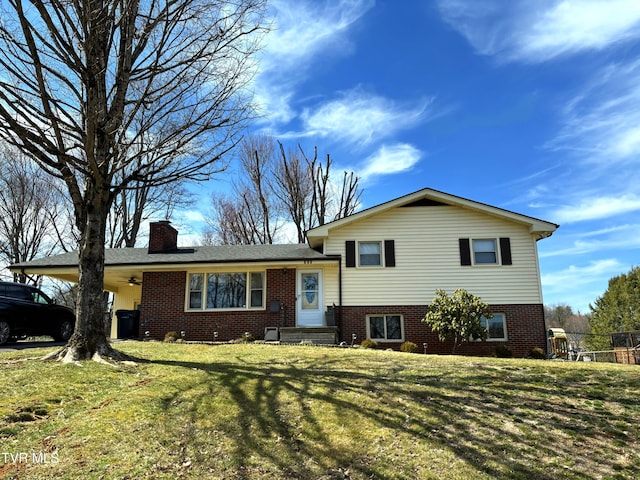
<point>389,253</point>
<point>505,251</point>
<point>350,247</point>
<point>465,251</point>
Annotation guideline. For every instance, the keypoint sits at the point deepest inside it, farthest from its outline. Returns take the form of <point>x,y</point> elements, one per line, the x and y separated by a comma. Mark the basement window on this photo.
<point>385,328</point>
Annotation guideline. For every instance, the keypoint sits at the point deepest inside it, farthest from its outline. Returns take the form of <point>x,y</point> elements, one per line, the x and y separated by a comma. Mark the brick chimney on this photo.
<point>163,238</point>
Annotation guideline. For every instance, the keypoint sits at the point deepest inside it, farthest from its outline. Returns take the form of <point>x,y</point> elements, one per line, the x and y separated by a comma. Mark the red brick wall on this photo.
<point>163,301</point>
<point>162,237</point>
<point>525,329</point>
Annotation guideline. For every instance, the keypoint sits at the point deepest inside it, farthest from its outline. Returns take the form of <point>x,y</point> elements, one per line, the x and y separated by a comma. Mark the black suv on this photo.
<point>26,311</point>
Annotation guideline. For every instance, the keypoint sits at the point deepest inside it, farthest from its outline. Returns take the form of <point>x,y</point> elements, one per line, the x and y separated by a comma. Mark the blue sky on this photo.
<point>531,106</point>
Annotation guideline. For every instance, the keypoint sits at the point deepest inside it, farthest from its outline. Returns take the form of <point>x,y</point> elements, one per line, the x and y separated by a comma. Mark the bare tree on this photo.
<point>310,195</point>
<point>294,188</point>
<point>110,95</point>
<point>250,214</point>
<point>275,188</point>
<point>133,206</point>
<point>29,209</point>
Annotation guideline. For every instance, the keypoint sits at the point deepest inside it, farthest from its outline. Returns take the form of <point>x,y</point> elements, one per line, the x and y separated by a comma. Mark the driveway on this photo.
<point>27,344</point>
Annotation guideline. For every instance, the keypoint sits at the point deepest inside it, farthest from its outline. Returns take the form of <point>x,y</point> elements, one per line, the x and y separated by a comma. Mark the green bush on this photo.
<point>368,343</point>
<point>537,353</point>
<point>171,336</point>
<point>502,351</point>
<point>409,347</point>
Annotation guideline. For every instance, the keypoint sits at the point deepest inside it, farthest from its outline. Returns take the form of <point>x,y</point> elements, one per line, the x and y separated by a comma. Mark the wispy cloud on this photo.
<point>389,159</point>
<point>578,285</point>
<point>571,26</point>
<point>602,122</point>
<point>616,238</point>
<point>597,208</point>
<point>360,118</point>
<point>542,30</point>
<point>583,274</point>
<point>302,29</point>
<point>302,32</point>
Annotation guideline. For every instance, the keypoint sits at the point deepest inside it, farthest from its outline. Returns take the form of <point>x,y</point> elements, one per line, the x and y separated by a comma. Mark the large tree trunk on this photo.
<point>89,340</point>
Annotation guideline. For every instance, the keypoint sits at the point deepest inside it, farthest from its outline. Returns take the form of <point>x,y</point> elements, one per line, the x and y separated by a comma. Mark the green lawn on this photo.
<point>275,412</point>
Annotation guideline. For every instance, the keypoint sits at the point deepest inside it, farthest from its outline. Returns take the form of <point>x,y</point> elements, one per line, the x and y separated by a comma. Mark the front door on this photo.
<point>309,295</point>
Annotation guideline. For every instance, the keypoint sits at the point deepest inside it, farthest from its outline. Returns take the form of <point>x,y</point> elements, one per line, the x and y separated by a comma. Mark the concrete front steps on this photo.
<point>314,335</point>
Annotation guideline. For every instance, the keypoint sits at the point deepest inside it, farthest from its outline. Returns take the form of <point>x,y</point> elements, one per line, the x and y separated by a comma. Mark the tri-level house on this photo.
<point>370,275</point>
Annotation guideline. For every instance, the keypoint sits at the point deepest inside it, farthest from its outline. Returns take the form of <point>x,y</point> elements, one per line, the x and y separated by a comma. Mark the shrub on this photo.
<point>502,351</point>
<point>171,336</point>
<point>368,343</point>
<point>537,353</point>
<point>409,347</point>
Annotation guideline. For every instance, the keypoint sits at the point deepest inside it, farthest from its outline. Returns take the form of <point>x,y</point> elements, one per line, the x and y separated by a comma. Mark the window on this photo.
<point>370,254</point>
<point>484,252</point>
<point>256,289</point>
<point>385,327</point>
<point>213,291</point>
<point>496,326</point>
<point>39,297</point>
<point>195,290</point>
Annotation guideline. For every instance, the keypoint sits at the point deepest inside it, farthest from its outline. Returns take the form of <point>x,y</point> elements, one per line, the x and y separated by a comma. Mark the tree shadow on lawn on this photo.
<point>500,425</point>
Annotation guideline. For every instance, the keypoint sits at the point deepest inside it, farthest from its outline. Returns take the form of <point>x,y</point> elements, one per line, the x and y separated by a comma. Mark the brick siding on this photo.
<point>525,329</point>
<point>163,301</point>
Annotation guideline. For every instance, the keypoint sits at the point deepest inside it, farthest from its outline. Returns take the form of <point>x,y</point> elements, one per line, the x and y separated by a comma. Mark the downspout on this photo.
<point>339,294</point>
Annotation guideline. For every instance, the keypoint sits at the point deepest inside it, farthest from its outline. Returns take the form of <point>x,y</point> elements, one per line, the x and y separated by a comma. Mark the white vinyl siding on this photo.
<point>428,258</point>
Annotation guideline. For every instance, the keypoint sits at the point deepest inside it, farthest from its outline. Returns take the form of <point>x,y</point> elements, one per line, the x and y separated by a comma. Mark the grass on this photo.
<point>260,411</point>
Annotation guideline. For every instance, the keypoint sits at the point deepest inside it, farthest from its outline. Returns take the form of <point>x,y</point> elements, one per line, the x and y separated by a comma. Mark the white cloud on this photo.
<point>601,123</point>
<point>581,275</point>
<point>612,239</point>
<point>302,29</point>
<point>597,208</point>
<point>571,26</point>
<point>535,31</point>
<point>389,160</point>
<point>361,118</point>
<point>302,32</point>
<point>579,285</point>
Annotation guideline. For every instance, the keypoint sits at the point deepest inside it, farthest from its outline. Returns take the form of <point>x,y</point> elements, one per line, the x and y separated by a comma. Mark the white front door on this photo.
<point>310,308</point>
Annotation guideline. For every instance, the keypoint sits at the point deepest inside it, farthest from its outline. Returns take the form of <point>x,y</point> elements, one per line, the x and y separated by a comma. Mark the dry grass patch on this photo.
<point>260,411</point>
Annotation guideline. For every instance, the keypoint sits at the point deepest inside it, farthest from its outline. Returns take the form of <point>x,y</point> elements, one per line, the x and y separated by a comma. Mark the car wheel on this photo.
<point>65,330</point>
<point>5,332</point>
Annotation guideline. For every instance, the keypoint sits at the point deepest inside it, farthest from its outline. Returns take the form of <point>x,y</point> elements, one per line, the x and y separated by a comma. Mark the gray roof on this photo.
<point>184,255</point>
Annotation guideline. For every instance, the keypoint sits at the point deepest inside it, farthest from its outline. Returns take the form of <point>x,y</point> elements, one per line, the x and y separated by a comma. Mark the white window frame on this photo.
<point>249,289</point>
<point>496,251</point>
<point>385,315</point>
<point>504,327</point>
<point>380,249</point>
